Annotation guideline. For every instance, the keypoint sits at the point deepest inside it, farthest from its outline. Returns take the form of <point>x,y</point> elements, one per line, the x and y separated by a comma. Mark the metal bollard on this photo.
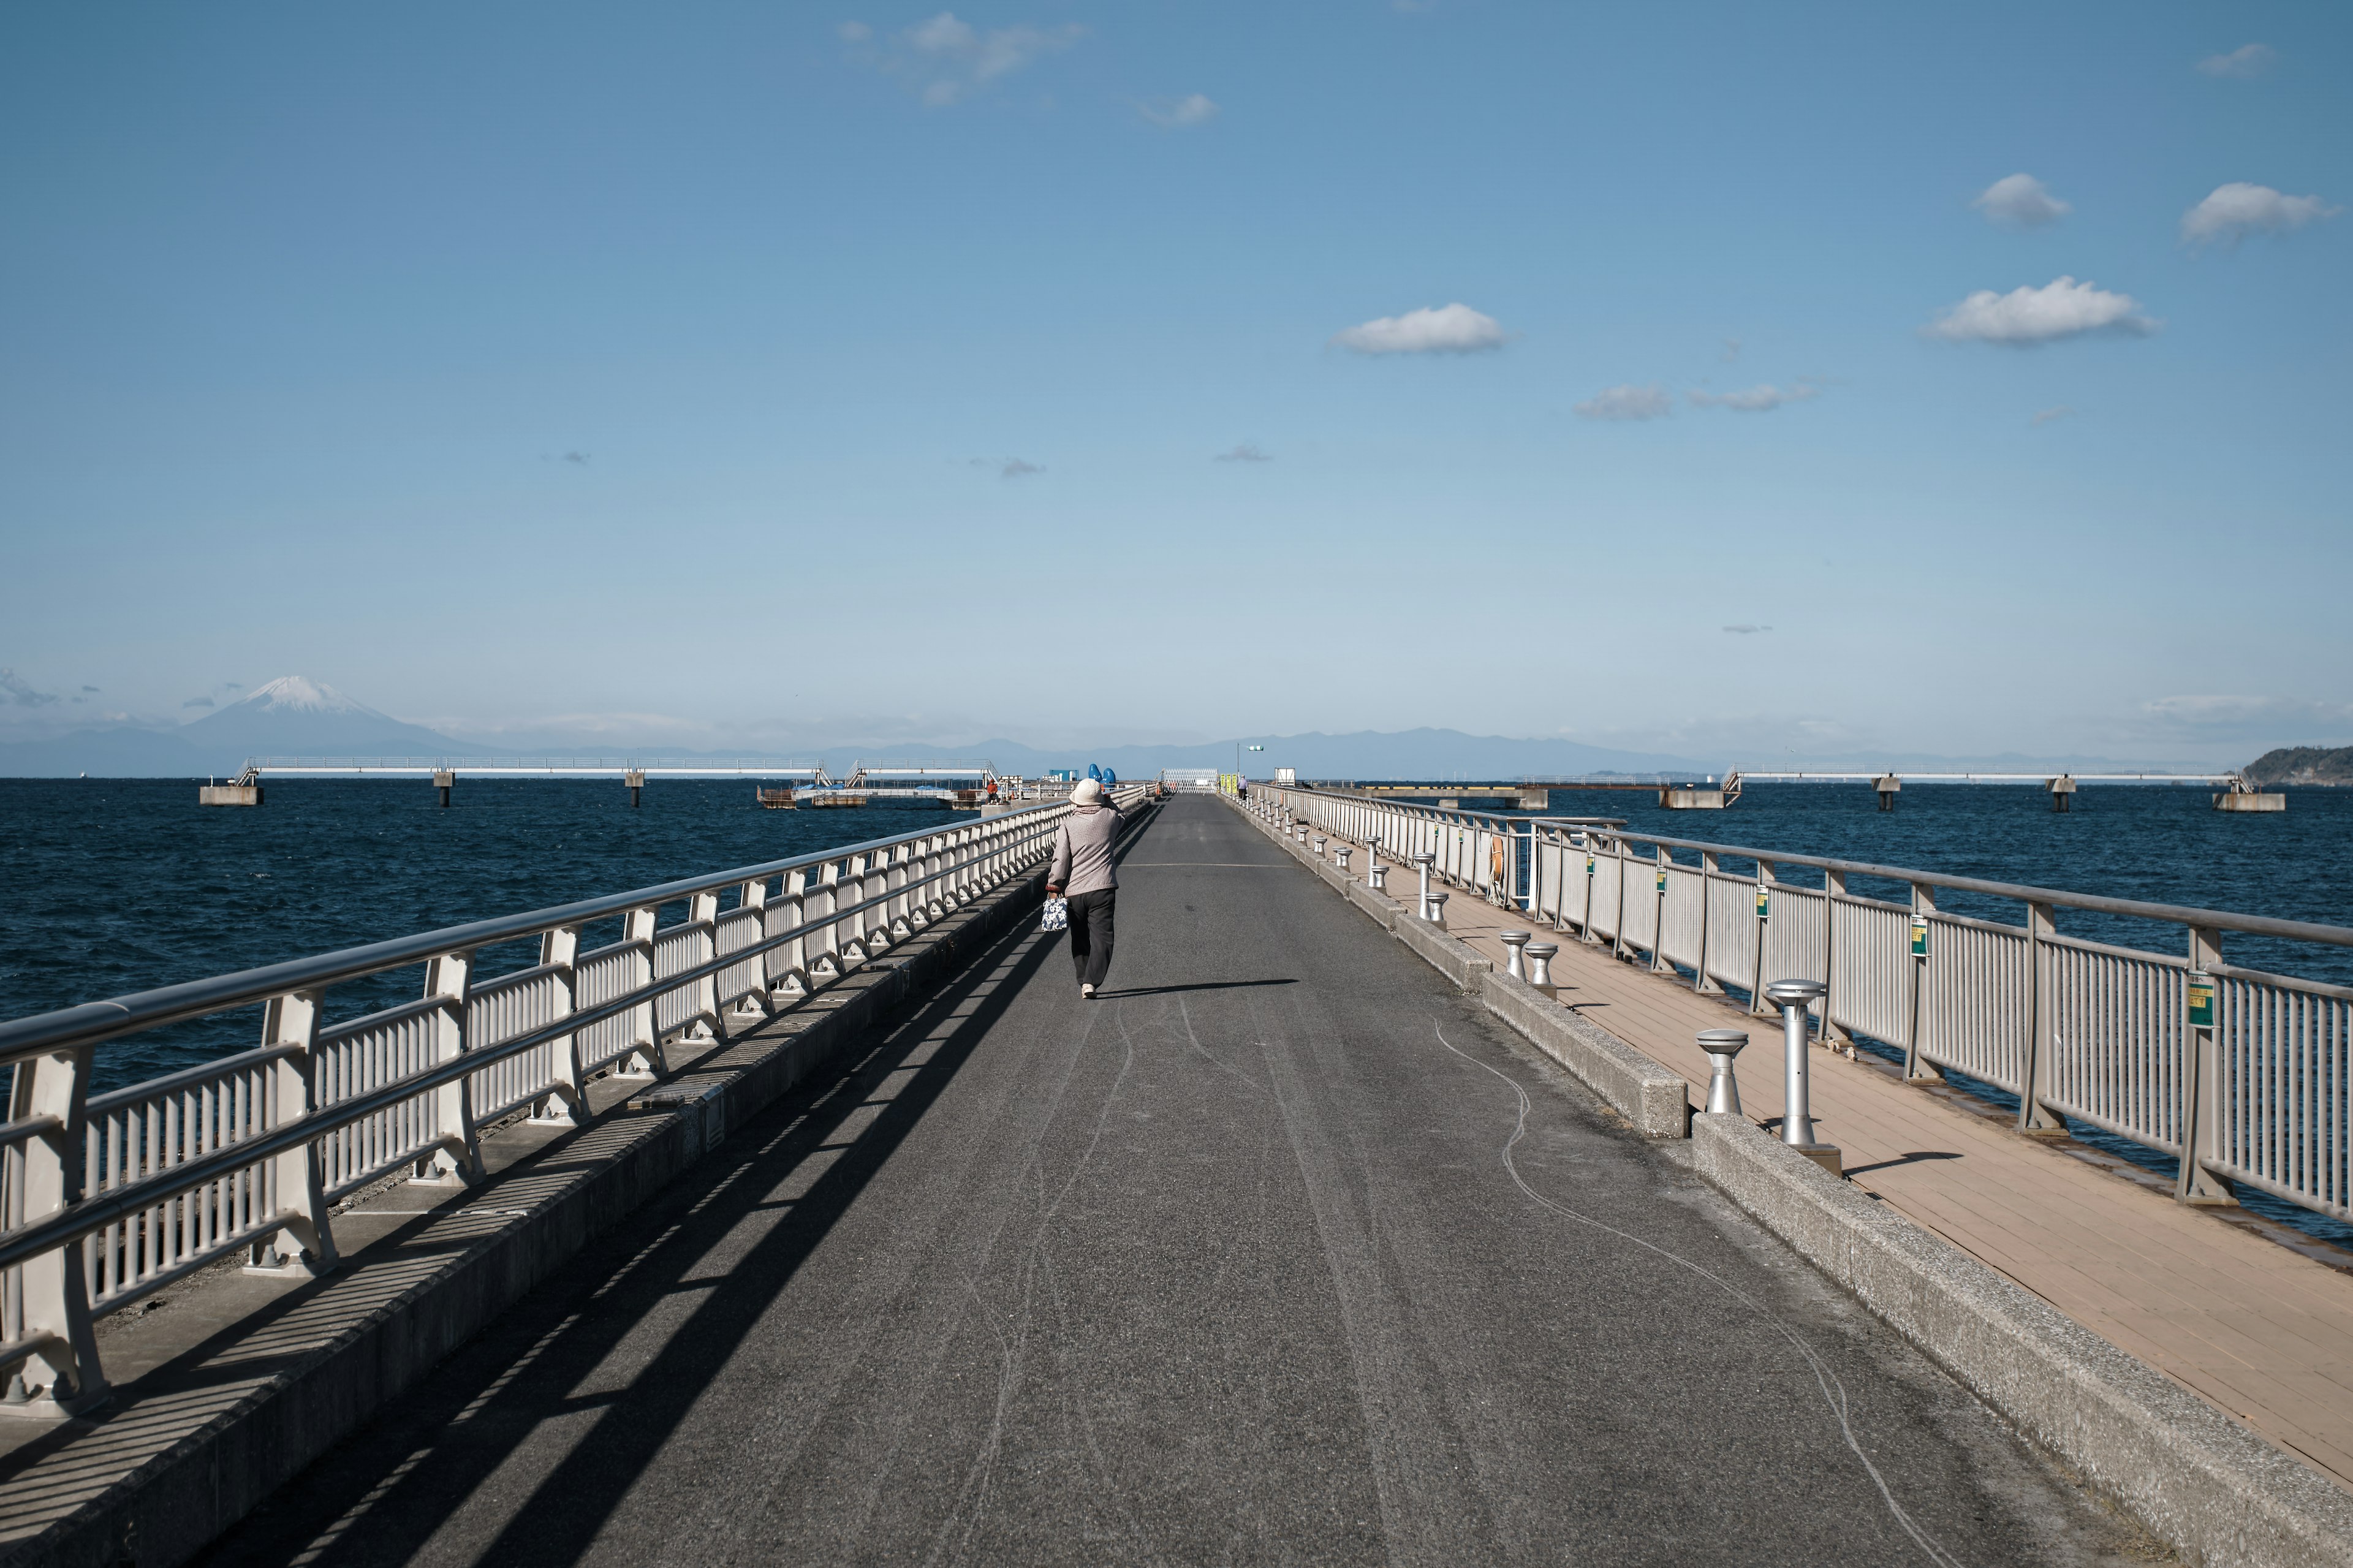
<point>1372,866</point>
<point>1514,940</point>
<point>1437,909</point>
<point>1421,863</point>
<point>1723,1088</point>
<point>1796,1109</point>
<point>1540,956</point>
<point>1340,854</point>
<point>1320,842</point>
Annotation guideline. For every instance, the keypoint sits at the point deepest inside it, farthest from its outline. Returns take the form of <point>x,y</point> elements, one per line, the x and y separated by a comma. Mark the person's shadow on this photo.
<point>1204,985</point>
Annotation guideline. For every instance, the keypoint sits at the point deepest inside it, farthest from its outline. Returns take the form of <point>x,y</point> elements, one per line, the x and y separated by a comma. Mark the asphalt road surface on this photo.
<point>1278,1252</point>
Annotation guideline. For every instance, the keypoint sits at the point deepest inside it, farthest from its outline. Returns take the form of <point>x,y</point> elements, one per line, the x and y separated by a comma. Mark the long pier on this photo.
<point>804,1211</point>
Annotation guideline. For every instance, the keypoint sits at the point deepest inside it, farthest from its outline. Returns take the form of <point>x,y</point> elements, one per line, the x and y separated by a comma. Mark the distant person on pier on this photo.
<point>1083,872</point>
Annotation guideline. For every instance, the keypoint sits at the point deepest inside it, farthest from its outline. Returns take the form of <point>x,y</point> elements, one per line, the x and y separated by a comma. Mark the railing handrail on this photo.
<point>2138,908</point>
<point>91,1022</point>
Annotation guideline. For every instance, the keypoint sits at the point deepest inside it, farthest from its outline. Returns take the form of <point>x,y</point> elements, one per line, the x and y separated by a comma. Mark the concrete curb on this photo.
<point>2217,1492</point>
<point>168,1508</point>
<point>1653,1097</point>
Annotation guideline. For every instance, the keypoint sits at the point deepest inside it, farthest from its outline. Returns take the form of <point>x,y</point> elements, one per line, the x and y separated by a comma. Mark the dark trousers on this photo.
<point>1091,933</point>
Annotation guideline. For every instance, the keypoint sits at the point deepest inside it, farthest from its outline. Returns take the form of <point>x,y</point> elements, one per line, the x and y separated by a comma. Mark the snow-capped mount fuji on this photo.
<point>295,716</point>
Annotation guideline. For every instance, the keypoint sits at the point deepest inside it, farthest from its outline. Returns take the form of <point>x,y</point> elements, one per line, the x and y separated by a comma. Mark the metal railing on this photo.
<point>106,1198</point>
<point>2251,1072</point>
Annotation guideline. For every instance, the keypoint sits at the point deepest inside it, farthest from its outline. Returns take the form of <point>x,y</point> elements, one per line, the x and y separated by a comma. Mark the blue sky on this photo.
<point>740,375</point>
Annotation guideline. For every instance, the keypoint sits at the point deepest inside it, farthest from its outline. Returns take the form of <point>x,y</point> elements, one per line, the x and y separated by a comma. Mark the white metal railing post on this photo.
<point>789,965</point>
<point>2034,1117</point>
<point>2205,1085</point>
<point>1659,962</point>
<point>297,1179</point>
<point>1833,893</point>
<point>457,1156</point>
<point>703,923</point>
<point>753,894</point>
<point>1917,1067</point>
<point>645,1058</point>
<point>1618,942</point>
<point>56,1283</point>
<point>560,949</point>
<point>1708,870</point>
<point>1764,879</point>
<point>824,898</point>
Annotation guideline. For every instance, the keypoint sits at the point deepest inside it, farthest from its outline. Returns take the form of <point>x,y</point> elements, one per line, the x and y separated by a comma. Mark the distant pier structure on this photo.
<point>1714,795</point>
<point>960,785</point>
<point>442,772</point>
<point>2237,793</point>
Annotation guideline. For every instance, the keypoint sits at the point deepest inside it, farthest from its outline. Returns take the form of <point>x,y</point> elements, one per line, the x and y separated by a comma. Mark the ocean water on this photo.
<point>112,885</point>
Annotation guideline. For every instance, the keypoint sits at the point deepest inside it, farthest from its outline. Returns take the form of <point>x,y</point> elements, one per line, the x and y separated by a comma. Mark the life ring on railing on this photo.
<point>1495,860</point>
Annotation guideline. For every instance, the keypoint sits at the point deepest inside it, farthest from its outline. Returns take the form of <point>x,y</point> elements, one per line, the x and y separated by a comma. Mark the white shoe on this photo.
<point>1088,992</point>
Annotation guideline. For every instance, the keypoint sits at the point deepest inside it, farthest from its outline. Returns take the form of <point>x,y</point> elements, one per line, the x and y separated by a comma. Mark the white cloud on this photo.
<point>1756,399</point>
<point>2020,201</point>
<point>1628,402</point>
<point>2061,309</point>
<point>1247,452</point>
<point>2245,63</point>
<point>1450,330</point>
<point>1015,468</point>
<point>2052,416</point>
<point>1178,113</point>
<point>2238,210</point>
<point>946,59</point>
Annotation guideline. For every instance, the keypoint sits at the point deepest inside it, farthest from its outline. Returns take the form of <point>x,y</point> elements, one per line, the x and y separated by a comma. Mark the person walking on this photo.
<point>1083,871</point>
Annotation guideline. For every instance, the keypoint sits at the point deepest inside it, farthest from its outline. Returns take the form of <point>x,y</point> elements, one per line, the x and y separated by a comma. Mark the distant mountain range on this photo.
<point>292,716</point>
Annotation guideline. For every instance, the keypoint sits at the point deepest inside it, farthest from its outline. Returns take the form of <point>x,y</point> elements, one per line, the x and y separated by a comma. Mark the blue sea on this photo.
<point>116,885</point>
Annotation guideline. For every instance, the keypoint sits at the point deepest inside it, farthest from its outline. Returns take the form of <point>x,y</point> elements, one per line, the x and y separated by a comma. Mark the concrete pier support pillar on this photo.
<point>2062,792</point>
<point>1886,785</point>
<point>636,779</point>
<point>442,779</point>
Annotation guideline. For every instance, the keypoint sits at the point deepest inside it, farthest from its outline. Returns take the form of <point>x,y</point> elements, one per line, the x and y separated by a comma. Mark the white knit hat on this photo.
<point>1088,792</point>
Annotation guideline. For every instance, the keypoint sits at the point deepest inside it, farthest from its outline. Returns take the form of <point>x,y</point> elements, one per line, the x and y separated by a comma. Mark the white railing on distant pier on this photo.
<point>2251,1071</point>
<point>106,1198</point>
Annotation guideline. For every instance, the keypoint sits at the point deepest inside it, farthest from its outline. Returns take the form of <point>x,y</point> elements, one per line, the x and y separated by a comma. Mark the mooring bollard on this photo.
<point>1723,1088</point>
<point>1372,866</point>
<point>1797,1111</point>
<point>1540,955</point>
<point>1513,942</point>
<point>1340,854</point>
<point>1437,909</point>
<point>1320,842</point>
<point>1422,863</point>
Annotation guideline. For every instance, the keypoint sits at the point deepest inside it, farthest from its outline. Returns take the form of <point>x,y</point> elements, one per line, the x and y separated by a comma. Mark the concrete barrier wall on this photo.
<point>2213,1489</point>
